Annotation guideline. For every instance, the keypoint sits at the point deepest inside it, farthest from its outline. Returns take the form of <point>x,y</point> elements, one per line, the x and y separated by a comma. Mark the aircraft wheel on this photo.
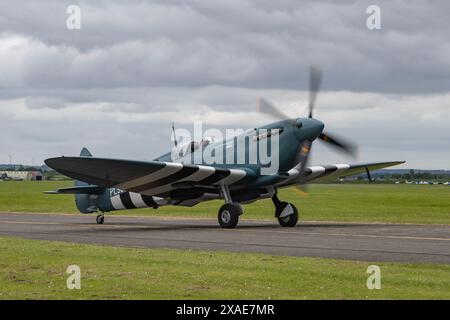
<point>291,219</point>
<point>100,219</point>
<point>229,215</point>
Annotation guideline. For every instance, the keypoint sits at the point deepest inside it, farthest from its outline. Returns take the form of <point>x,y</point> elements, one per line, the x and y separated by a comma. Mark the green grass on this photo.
<point>34,269</point>
<point>339,202</point>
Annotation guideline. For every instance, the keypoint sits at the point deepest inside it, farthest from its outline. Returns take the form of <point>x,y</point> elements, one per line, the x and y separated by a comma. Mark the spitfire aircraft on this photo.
<point>104,185</point>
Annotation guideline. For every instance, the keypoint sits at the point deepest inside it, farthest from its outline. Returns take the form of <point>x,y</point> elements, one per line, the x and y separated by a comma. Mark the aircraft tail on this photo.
<point>85,153</point>
<point>86,200</point>
<point>90,198</point>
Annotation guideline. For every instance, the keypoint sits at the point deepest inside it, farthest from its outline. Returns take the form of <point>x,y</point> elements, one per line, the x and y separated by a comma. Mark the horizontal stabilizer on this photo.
<point>78,190</point>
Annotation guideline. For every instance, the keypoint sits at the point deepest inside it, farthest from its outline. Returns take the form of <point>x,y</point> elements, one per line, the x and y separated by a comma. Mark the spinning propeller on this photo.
<point>315,79</point>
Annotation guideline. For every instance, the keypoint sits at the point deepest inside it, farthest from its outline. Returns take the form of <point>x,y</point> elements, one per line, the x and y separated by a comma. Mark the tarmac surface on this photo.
<point>354,241</point>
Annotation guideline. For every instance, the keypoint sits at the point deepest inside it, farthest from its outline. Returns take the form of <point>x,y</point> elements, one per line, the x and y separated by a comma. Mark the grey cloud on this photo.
<point>184,60</point>
<point>235,43</point>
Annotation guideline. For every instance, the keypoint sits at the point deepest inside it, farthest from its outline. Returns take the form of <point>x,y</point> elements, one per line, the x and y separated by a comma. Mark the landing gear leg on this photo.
<point>100,218</point>
<point>285,212</point>
<point>229,213</point>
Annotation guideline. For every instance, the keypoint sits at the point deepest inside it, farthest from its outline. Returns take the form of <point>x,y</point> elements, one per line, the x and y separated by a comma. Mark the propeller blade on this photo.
<point>301,191</point>
<point>302,160</point>
<point>266,107</point>
<point>303,157</point>
<point>341,144</point>
<point>315,79</point>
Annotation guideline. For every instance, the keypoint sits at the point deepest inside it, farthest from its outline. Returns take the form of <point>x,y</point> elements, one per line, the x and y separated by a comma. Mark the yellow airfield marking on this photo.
<point>236,230</point>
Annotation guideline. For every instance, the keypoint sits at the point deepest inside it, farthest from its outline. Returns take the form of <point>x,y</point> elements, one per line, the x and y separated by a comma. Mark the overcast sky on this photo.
<point>116,84</point>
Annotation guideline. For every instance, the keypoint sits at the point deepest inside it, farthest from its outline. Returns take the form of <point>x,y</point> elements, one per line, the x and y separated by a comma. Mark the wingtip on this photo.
<point>50,161</point>
<point>396,162</point>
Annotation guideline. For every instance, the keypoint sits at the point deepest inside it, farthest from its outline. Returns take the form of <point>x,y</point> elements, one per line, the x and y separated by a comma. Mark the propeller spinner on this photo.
<point>315,80</point>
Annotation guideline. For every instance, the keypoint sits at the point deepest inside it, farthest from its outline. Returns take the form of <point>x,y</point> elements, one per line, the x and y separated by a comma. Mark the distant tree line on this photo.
<point>21,168</point>
<point>411,175</point>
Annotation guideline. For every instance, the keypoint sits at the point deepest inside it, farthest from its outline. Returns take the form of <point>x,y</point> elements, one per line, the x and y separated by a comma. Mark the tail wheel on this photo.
<point>100,219</point>
<point>229,215</point>
<point>290,217</point>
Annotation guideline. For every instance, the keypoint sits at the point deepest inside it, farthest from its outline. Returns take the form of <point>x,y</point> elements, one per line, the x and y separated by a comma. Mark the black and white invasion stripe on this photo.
<point>314,172</point>
<point>131,200</point>
<point>162,180</point>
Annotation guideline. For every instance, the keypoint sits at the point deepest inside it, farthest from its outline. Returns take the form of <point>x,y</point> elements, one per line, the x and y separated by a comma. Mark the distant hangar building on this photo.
<point>22,175</point>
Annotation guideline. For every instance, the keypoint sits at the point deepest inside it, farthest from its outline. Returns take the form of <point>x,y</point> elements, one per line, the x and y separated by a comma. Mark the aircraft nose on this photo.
<point>308,128</point>
<point>317,127</point>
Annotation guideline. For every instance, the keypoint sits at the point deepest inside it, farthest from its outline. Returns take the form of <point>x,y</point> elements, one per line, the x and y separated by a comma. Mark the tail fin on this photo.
<point>89,198</point>
<point>85,153</point>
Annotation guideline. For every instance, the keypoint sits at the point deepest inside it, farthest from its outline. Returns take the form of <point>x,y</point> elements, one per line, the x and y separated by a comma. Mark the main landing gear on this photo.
<point>229,213</point>
<point>100,218</point>
<point>285,212</point>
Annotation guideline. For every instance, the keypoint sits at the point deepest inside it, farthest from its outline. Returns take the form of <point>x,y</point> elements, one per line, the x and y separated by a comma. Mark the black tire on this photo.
<point>290,220</point>
<point>229,215</point>
<point>100,219</point>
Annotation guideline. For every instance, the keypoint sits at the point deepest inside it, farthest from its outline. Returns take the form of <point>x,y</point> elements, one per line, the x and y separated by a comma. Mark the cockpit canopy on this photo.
<point>190,147</point>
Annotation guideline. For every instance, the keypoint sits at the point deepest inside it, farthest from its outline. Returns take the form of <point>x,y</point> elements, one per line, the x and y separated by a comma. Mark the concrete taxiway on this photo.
<point>368,242</point>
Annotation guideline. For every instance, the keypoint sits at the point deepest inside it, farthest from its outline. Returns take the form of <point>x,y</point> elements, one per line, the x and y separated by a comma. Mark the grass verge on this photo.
<point>35,269</point>
<point>339,202</point>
